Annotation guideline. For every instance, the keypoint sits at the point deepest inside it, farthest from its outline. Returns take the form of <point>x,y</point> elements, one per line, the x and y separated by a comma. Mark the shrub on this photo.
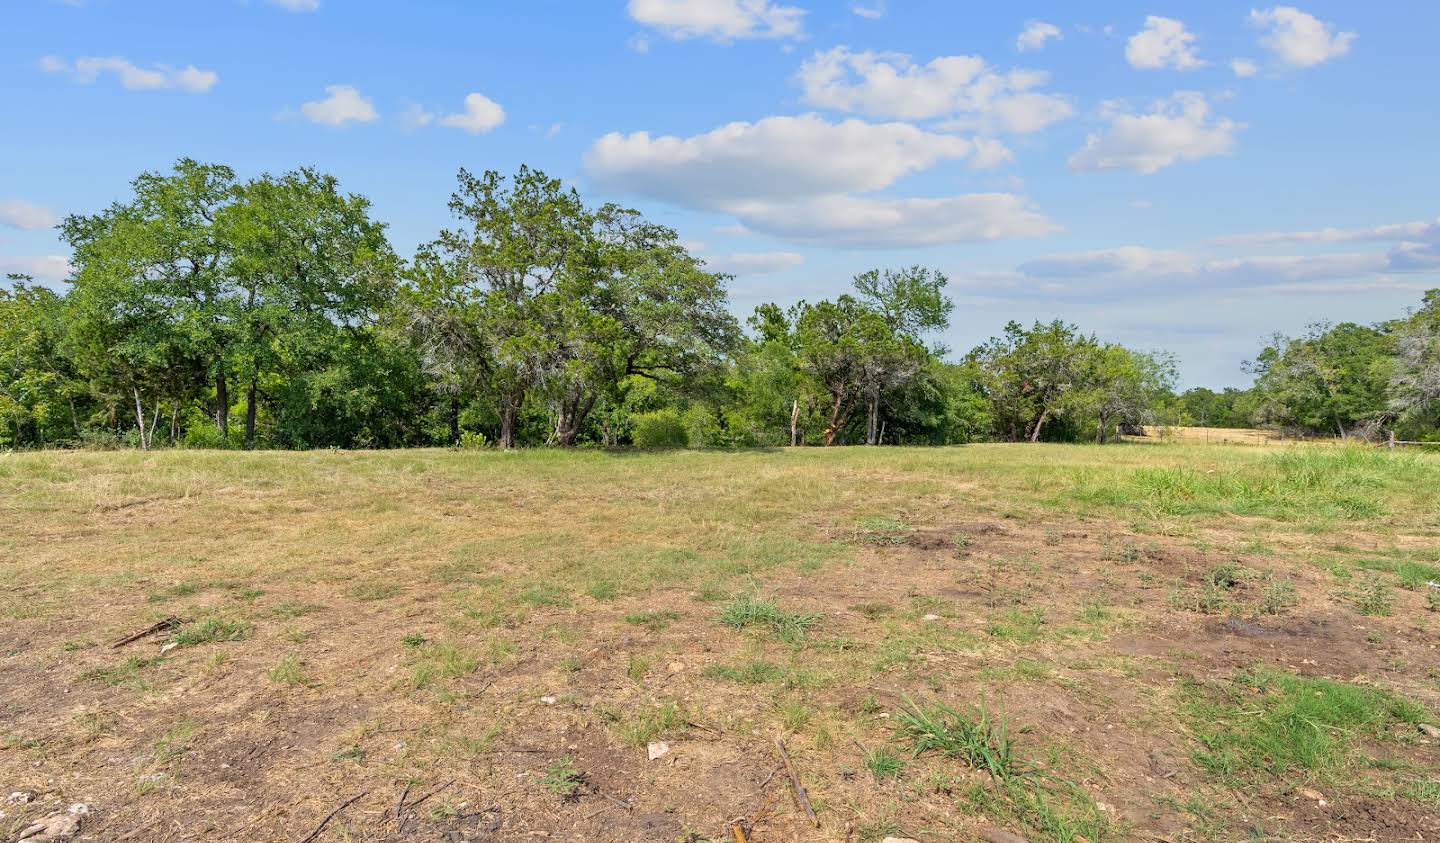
<point>660,429</point>
<point>473,440</point>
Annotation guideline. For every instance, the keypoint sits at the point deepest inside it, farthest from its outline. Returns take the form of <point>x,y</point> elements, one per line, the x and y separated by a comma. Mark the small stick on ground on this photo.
<point>739,831</point>
<point>401,803</point>
<point>171,622</point>
<point>413,805</point>
<point>330,816</point>
<point>796,786</point>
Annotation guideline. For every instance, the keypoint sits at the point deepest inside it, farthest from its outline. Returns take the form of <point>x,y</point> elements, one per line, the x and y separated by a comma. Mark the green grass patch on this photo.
<point>1280,724</point>
<point>754,611</point>
<point>211,631</point>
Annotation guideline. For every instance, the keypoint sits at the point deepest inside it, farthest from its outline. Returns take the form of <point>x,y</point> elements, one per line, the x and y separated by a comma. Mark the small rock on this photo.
<point>53,829</point>
<point>168,647</point>
<point>79,809</point>
<point>20,797</point>
<point>900,840</point>
<point>676,667</point>
<point>548,699</point>
<point>1312,794</point>
<point>930,618</point>
<point>1430,731</point>
<point>657,750</point>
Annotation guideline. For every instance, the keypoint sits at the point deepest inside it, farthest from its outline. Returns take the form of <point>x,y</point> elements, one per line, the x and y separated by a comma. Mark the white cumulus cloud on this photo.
<point>754,263</point>
<point>344,104</point>
<point>803,178</point>
<point>87,70</point>
<point>719,20</point>
<point>40,267</point>
<point>1179,128</point>
<point>775,157</point>
<point>1300,39</point>
<point>481,114</point>
<point>1244,68</point>
<point>1164,42</point>
<point>1035,34</point>
<point>892,85</point>
<point>25,215</point>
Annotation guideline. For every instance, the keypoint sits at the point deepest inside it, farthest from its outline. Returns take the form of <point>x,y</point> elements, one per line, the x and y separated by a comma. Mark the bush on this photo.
<point>473,440</point>
<point>660,429</point>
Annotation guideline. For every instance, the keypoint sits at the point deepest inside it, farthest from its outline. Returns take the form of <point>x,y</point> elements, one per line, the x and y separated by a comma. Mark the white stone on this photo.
<point>657,750</point>
<point>548,700</point>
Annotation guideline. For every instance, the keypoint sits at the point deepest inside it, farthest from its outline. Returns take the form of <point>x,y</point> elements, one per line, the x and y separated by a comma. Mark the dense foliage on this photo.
<point>209,311</point>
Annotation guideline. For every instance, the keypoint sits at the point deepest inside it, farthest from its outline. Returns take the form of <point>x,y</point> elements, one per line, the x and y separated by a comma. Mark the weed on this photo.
<point>1278,595</point>
<point>175,742</point>
<point>794,715</point>
<point>753,610</point>
<point>353,752</point>
<point>295,634</point>
<point>209,631</point>
<point>1373,597</point>
<point>637,668</point>
<point>1017,625</point>
<point>563,780</point>
<point>413,641</point>
<point>569,664</point>
<point>873,611</point>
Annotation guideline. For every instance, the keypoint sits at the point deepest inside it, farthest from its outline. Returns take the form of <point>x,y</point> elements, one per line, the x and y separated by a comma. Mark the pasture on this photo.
<point>1102,643</point>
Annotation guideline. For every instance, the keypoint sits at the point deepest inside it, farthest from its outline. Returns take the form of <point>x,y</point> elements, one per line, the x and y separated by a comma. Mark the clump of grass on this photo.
<point>637,668</point>
<point>755,672</point>
<point>289,671</point>
<point>1017,625</point>
<point>370,592</point>
<point>755,611</point>
<point>413,641</point>
<point>1271,722</point>
<point>884,763</point>
<point>794,715</point>
<point>544,595</point>
<point>656,621</point>
<point>441,660</point>
<point>665,720</point>
<point>1409,575</point>
<point>873,611</point>
<point>210,631</point>
<point>126,674</point>
<point>290,609</point>
<point>1277,596</point>
<point>563,780</point>
<point>978,741</point>
<point>175,742</point>
<point>603,590</point>
<point>887,531</point>
<point>179,589</point>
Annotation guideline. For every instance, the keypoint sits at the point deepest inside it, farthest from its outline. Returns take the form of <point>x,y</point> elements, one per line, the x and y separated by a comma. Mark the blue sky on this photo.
<point>1187,176</point>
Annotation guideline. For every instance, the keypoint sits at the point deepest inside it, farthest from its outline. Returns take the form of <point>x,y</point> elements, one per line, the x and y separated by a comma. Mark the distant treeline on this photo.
<point>207,311</point>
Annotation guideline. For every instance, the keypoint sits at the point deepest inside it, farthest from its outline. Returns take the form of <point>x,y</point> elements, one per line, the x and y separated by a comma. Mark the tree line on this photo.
<point>209,311</point>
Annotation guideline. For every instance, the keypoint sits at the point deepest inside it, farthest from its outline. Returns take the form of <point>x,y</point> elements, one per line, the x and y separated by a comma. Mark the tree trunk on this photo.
<point>454,420</point>
<point>509,411</point>
<point>222,402</point>
<point>872,425</point>
<point>571,418</point>
<point>836,420</point>
<point>174,423</point>
<point>250,402</point>
<point>880,440</point>
<point>140,419</point>
<point>1039,423</point>
<point>795,423</point>
<point>74,417</point>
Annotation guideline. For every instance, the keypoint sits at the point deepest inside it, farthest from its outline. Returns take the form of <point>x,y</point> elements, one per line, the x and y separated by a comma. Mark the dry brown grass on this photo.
<point>368,621</point>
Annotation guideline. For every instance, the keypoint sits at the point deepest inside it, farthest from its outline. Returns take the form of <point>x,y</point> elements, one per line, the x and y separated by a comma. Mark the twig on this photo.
<point>739,832</point>
<point>171,622</point>
<point>799,789</point>
<point>401,803</point>
<point>413,805</point>
<point>330,816</point>
<point>614,800</point>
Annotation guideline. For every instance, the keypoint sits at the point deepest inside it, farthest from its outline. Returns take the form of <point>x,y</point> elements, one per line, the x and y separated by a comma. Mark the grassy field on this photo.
<point>1133,642</point>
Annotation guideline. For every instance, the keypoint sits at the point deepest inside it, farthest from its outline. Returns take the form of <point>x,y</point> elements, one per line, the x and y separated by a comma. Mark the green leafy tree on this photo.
<point>1034,375</point>
<point>39,388</point>
<point>1333,377</point>
<point>1414,386</point>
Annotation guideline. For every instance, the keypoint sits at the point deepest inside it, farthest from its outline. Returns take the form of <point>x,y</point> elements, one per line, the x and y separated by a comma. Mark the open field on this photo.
<point>1172,642</point>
